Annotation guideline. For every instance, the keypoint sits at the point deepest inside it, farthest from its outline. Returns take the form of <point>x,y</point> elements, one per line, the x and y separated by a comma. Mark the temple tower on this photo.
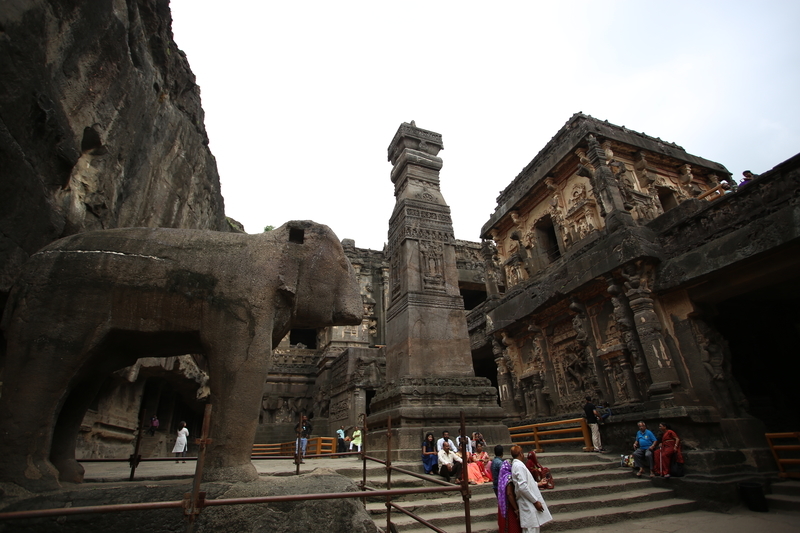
<point>429,372</point>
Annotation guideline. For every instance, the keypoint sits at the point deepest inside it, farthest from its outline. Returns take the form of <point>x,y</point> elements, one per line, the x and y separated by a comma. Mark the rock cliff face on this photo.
<point>100,126</point>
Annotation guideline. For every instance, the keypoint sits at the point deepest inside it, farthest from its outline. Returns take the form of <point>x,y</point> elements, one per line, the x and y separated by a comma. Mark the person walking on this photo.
<point>533,511</point>
<point>181,443</point>
<point>303,430</point>
<point>154,423</point>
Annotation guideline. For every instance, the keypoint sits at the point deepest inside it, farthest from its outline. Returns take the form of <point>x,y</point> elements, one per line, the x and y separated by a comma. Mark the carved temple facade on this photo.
<point>612,267</point>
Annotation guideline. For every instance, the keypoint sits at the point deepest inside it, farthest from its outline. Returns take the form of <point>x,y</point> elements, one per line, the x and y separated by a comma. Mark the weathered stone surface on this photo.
<point>100,126</point>
<point>323,516</point>
<point>430,378</point>
<point>159,292</point>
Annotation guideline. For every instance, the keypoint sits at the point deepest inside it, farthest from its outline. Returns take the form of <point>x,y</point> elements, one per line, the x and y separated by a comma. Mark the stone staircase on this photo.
<point>784,495</point>
<point>591,490</point>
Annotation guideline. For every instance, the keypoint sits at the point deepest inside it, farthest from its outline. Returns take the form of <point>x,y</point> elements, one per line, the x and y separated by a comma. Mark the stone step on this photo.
<point>579,480</point>
<point>562,521</point>
<point>479,503</point>
<point>786,487</point>
<point>783,501</point>
<point>591,489</point>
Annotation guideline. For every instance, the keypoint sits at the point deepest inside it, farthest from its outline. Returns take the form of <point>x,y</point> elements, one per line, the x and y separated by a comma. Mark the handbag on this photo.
<point>626,461</point>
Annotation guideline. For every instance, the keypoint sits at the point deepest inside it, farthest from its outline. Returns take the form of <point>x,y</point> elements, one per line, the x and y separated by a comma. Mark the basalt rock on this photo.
<point>100,126</point>
<point>324,516</point>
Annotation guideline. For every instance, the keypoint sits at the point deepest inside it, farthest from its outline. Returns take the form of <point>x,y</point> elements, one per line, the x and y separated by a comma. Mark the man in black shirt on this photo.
<point>591,418</point>
<point>303,429</point>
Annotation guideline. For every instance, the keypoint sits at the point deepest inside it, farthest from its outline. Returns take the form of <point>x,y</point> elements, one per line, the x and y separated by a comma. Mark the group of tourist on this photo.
<point>342,439</point>
<point>446,458</point>
<point>656,453</point>
<point>518,483</point>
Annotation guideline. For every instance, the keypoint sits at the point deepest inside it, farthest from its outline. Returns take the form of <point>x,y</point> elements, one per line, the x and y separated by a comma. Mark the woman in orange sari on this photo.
<point>478,466</point>
<point>667,446</point>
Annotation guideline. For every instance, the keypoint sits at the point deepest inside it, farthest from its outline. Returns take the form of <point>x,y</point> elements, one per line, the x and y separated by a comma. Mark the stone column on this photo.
<point>429,372</point>
<point>648,327</point>
<point>542,407</point>
<point>606,188</point>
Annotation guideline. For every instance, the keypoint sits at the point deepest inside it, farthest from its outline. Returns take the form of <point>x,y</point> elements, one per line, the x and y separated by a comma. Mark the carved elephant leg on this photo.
<point>30,401</point>
<point>238,371</point>
<point>40,372</point>
<point>65,434</point>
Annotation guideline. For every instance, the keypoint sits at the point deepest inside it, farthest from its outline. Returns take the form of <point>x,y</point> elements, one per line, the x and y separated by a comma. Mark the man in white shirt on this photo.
<point>469,443</point>
<point>449,462</point>
<point>533,512</point>
<point>445,438</point>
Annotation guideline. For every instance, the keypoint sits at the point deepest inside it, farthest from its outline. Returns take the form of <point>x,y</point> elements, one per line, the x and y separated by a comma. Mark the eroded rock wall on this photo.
<point>100,126</point>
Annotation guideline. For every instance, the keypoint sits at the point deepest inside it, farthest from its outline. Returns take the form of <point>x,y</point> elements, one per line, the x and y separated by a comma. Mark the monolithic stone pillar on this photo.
<point>429,373</point>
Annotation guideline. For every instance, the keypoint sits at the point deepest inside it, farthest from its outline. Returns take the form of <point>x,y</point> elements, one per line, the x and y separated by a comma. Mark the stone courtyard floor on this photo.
<point>737,520</point>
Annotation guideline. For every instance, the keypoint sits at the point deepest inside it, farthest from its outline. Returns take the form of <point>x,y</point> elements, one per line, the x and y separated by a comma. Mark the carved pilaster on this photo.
<point>505,379</point>
<point>659,361</point>
<point>489,254</point>
<point>623,315</point>
<point>606,188</point>
<point>586,342</point>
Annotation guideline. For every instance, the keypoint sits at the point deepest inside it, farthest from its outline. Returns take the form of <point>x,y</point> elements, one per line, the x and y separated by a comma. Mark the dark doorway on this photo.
<point>763,332</point>
<point>370,394</point>
<point>306,337</point>
<point>546,238</point>
<point>667,198</point>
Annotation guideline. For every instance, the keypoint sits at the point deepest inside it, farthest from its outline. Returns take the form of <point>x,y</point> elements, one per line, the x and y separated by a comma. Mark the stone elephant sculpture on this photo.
<point>93,303</point>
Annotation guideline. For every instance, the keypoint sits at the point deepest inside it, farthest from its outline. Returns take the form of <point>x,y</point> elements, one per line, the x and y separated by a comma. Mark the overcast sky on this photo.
<point>303,98</point>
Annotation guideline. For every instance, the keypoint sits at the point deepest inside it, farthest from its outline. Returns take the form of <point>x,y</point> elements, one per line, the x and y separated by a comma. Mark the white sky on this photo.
<point>303,98</point>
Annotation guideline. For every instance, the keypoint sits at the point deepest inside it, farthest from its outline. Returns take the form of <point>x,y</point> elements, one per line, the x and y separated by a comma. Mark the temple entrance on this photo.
<point>763,331</point>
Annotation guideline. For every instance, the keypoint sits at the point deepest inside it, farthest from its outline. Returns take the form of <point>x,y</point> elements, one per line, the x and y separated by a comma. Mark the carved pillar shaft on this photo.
<point>648,328</point>
<point>606,189</point>
<point>488,252</point>
<point>542,407</point>
<point>630,380</point>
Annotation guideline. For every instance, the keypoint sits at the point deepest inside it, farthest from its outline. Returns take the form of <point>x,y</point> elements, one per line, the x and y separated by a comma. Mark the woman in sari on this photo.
<point>667,446</point>
<point>507,509</point>
<point>540,473</point>
<point>478,466</point>
<point>430,457</point>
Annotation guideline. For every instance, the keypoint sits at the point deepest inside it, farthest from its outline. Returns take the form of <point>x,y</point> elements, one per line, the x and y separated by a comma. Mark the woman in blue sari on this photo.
<point>430,457</point>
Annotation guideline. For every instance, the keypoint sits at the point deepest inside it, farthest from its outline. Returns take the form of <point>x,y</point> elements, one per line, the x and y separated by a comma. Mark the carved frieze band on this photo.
<point>432,301</point>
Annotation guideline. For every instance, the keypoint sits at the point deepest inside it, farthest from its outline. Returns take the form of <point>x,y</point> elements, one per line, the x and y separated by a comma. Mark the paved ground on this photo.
<point>738,520</point>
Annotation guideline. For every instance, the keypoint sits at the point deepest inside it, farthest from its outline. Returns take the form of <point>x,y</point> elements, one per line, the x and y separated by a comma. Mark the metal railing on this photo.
<point>777,449</point>
<point>316,446</point>
<point>538,435</point>
<point>195,501</point>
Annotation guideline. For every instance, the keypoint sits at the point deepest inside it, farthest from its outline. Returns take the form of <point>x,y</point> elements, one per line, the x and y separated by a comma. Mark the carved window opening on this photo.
<point>370,394</point>
<point>667,198</point>
<point>296,235</point>
<point>472,298</point>
<point>306,337</point>
<point>546,238</point>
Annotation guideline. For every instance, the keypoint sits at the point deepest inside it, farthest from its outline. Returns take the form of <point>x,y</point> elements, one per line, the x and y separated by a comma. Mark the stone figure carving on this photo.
<point>715,357</point>
<point>95,302</point>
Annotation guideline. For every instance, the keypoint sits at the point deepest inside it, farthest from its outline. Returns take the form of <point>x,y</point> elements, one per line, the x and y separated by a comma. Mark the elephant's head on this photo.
<point>317,280</point>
